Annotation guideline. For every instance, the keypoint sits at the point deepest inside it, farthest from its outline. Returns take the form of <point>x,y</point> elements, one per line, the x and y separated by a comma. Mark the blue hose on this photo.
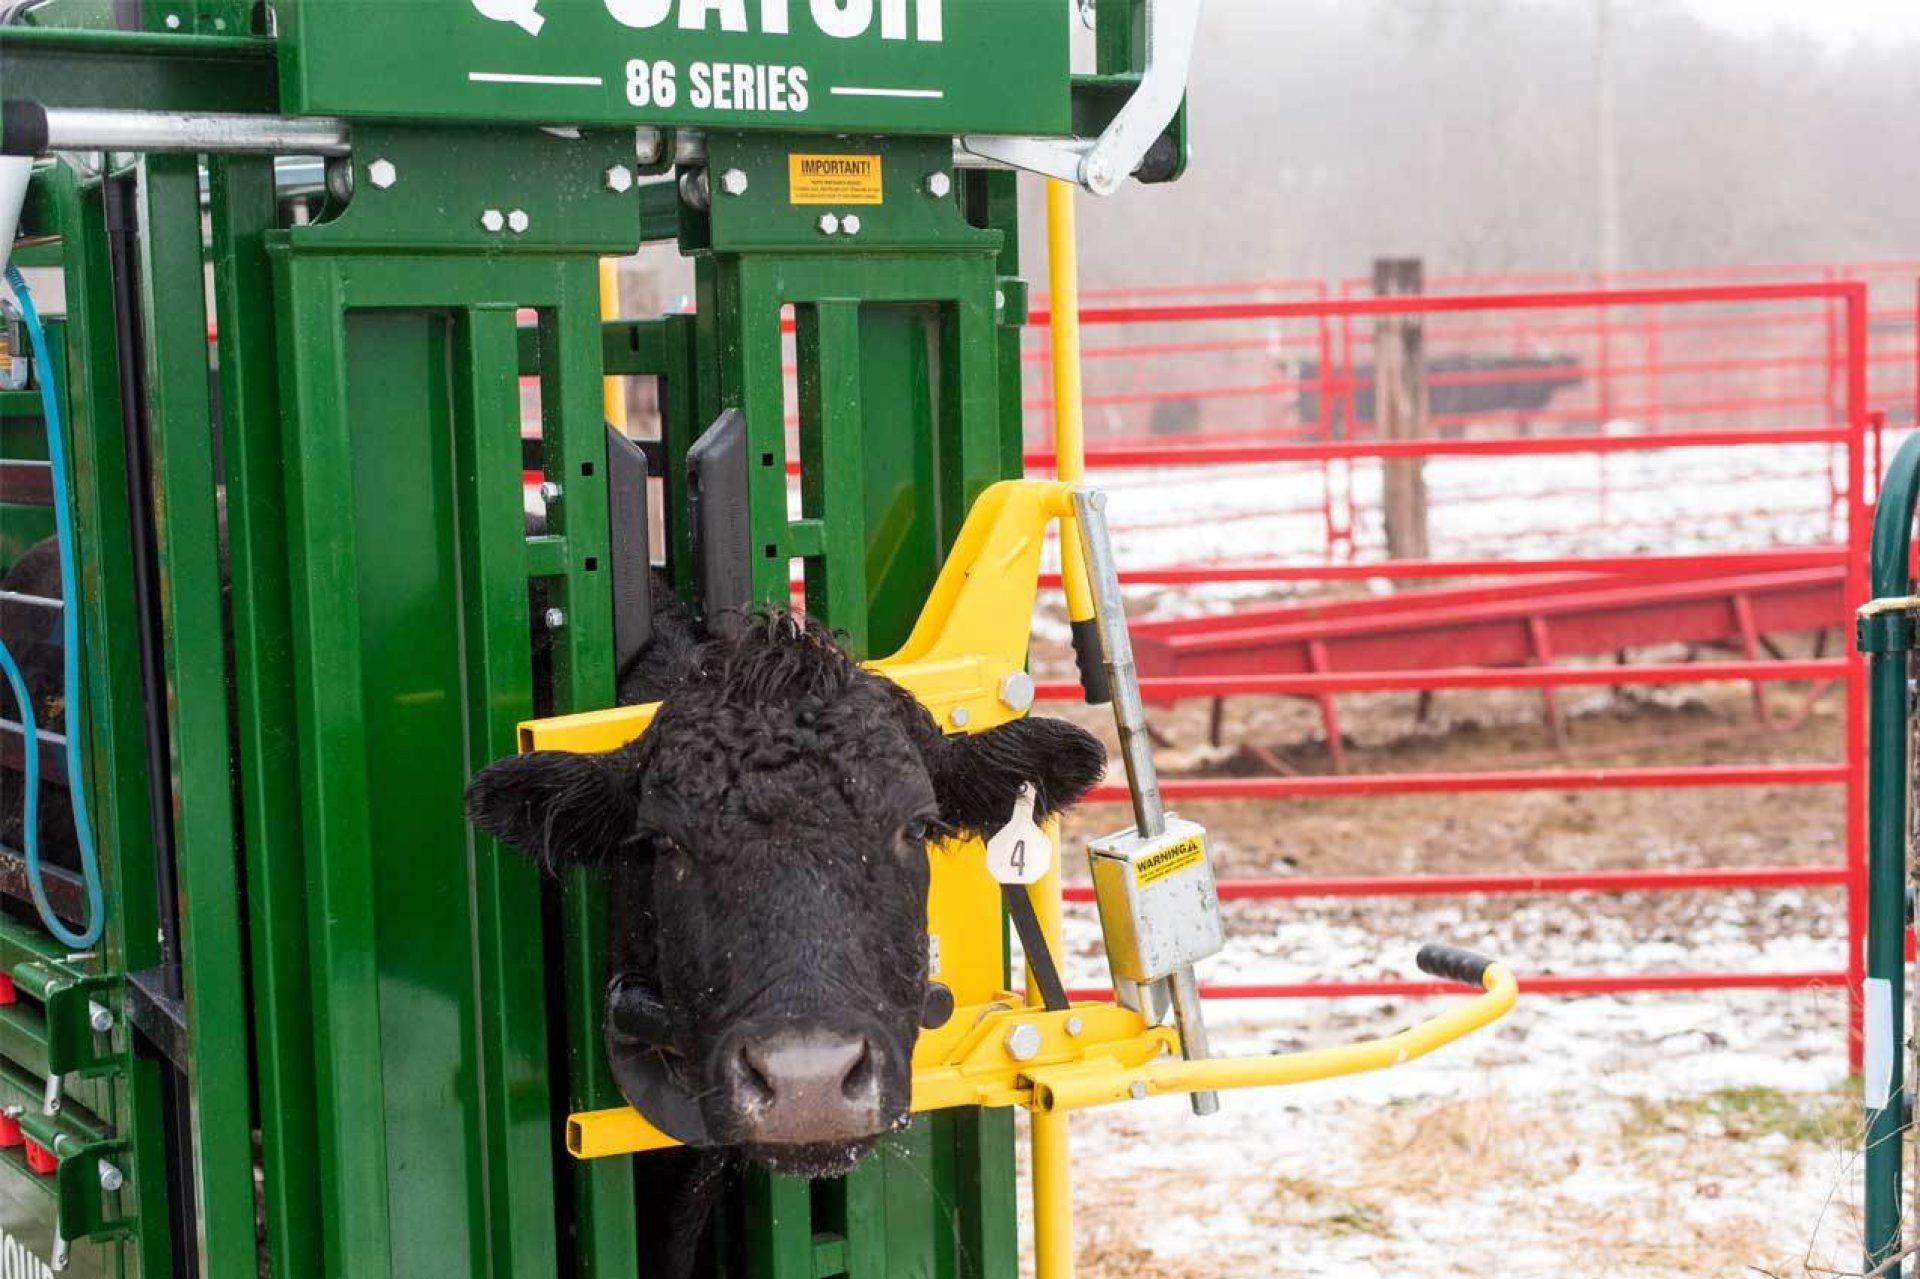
<point>70,621</point>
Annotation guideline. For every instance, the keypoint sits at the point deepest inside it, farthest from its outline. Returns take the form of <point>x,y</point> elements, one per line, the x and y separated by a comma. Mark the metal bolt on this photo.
<point>649,145</point>
<point>1099,175</point>
<point>1075,1025</point>
<point>1023,1042</point>
<point>695,189</point>
<point>382,173</point>
<point>999,299</point>
<point>556,618</point>
<point>518,222</point>
<point>619,179</point>
<point>851,224</point>
<point>55,1095</point>
<point>550,492</point>
<point>1138,1092</point>
<point>493,220</point>
<point>829,224</point>
<point>99,1016</point>
<point>961,717</point>
<point>173,22</point>
<point>111,1178</point>
<point>939,185</point>
<point>1016,691</point>
<point>734,182</point>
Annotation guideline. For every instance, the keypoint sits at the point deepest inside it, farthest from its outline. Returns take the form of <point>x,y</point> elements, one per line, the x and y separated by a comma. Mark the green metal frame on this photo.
<point>403,1012</point>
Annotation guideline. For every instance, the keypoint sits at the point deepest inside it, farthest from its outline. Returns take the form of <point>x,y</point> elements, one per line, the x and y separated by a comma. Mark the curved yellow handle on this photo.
<point>1080,1085</point>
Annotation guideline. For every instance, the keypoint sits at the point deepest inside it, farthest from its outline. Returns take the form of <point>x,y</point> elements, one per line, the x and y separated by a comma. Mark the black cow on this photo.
<point>764,846</point>
<point>32,634</point>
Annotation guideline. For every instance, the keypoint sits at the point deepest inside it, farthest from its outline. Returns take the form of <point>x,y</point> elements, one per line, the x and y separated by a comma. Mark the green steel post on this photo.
<point>1889,640</point>
<point>116,758</point>
<point>241,194</point>
<point>173,285</point>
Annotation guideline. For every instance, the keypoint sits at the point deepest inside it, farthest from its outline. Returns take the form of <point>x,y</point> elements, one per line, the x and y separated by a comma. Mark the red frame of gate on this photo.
<point>1855,435</point>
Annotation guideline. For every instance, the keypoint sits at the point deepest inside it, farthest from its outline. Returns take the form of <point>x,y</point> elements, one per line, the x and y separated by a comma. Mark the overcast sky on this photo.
<point>1869,20</point>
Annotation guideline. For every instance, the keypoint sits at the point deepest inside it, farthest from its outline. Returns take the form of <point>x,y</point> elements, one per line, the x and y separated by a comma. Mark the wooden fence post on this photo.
<point>1401,407</point>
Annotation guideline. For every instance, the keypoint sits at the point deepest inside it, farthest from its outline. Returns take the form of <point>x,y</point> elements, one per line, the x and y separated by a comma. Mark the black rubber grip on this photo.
<point>23,127</point>
<point>1092,657</point>
<point>1467,967</point>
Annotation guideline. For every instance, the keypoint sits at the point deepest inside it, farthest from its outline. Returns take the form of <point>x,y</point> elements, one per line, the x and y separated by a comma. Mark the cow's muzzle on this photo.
<point>803,1086</point>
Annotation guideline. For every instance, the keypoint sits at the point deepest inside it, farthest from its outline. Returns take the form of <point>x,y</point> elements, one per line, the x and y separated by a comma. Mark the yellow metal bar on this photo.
<point>1069,410</point>
<point>613,391</point>
<point>1052,1153</point>
<point>1090,1055</point>
<point>1074,1087</point>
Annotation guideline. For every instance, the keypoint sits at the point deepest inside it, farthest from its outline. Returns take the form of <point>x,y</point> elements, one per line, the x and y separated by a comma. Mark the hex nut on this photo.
<point>1017,691</point>
<point>1075,1025</point>
<point>619,179</point>
<point>961,717</point>
<point>518,222</point>
<point>734,182</point>
<point>1023,1042</point>
<point>829,224</point>
<point>851,224</point>
<point>939,185</point>
<point>550,492</point>
<point>493,220</point>
<point>556,618</point>
<point>1138,1092</point>
<point>382,173</point>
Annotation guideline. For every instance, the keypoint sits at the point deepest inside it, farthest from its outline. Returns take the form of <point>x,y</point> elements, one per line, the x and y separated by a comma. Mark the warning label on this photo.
<point>1154,867</point>
<point>834,179</point>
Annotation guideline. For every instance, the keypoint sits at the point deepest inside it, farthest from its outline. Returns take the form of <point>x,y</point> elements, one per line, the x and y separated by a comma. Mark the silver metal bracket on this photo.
<point>1101,164</point>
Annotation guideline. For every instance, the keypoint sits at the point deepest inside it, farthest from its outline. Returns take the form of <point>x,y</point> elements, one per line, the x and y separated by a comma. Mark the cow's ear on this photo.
<point>977,778</point>
<point>559,808</point>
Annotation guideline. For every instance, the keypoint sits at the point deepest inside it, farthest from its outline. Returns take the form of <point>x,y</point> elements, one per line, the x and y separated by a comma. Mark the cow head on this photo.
<point>765,842</point>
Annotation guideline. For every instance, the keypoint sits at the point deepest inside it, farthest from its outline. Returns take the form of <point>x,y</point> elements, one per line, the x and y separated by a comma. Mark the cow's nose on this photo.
<point>800,1087</point>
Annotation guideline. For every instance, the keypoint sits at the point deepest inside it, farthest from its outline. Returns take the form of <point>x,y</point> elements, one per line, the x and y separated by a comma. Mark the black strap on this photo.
<point>1033,940</point>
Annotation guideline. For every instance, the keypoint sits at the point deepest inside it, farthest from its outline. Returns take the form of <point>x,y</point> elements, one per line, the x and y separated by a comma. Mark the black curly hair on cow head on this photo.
<point>765,846</point>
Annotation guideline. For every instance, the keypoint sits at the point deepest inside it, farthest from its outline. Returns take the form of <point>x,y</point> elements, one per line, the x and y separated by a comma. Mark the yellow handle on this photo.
<point>1076,1087</point>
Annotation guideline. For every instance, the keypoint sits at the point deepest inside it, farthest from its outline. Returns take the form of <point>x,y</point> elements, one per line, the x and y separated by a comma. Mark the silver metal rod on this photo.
<point>1129,711</point>
<point>75,129</point>
<point>1136,748</point>
<point>1193,1032</point>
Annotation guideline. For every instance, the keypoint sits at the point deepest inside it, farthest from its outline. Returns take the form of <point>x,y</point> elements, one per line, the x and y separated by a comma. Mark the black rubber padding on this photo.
<point>23,127</point>
<point>1092,657</point>
<point>1454,964</point>
<point>936,1010</point>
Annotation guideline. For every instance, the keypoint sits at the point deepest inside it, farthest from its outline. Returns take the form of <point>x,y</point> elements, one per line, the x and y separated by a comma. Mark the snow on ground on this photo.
<point>1669,1135</point>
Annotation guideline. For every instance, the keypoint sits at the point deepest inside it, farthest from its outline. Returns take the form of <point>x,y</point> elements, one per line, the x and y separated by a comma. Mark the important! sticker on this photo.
<point>1168,862</point>
<point>834,179</point>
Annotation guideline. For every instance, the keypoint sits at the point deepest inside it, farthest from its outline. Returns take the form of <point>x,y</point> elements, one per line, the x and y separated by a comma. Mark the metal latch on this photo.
<point>1102,164</point>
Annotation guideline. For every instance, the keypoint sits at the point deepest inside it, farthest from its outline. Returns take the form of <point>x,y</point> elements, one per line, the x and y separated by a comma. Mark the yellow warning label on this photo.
<point>1154,867</point>
<point>834,179</point>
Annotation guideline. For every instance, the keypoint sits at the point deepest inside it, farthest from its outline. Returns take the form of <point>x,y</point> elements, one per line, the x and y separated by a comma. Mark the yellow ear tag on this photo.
<point>1020,852</point>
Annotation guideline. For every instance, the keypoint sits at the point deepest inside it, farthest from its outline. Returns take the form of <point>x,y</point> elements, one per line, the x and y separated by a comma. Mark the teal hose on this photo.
<point>70,621</point>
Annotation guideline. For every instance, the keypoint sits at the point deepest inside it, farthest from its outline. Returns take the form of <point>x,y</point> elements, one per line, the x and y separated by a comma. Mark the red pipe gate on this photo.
<point>1848,432</point>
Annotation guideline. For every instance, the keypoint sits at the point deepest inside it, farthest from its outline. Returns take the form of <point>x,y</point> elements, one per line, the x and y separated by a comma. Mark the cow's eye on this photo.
<point>916,832</point>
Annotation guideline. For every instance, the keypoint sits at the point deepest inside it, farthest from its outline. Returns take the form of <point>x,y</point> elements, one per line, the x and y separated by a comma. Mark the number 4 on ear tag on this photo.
<point>1020,852</point>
